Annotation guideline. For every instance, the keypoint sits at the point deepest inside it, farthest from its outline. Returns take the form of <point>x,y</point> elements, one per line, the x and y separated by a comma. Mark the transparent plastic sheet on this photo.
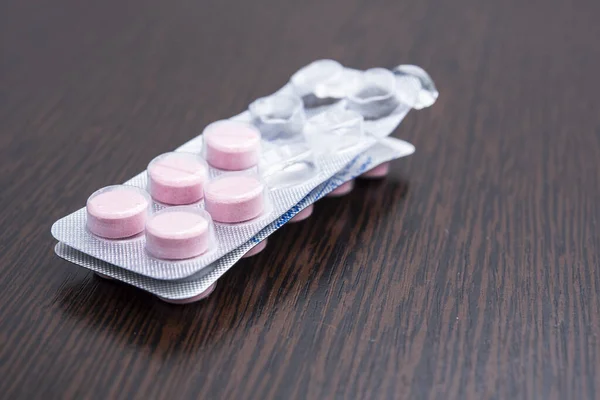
<point>130,255</point>
<point>385,150</point>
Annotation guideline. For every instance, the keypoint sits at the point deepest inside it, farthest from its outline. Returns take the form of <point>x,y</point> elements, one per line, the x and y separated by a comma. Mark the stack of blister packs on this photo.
<point>176,228</point>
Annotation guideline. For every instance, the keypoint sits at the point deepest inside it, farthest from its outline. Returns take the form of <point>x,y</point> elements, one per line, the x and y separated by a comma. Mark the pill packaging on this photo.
<point>199,285</point>
<point>325,119</point>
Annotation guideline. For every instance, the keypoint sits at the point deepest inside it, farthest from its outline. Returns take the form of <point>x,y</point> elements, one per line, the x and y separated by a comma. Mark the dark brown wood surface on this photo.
<point>472,272</point>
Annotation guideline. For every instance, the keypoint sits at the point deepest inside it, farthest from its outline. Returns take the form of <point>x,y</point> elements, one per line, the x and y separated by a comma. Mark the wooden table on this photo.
<point>471,272</point>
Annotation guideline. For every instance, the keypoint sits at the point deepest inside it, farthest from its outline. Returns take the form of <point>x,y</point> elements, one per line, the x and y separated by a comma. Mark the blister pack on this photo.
<point>200,284</point>
<point>217,192</point>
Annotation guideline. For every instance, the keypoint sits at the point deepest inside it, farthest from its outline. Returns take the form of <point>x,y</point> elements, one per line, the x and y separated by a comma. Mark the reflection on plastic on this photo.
<point>290,165</point>
<point>374,96</point>
<point>279,117</point>
<point>319,83</point>
<point>334,130</point>
<point>414,86</point>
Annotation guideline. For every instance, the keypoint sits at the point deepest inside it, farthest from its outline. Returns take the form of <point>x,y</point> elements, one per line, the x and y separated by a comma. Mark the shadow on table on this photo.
<point>133,317</point>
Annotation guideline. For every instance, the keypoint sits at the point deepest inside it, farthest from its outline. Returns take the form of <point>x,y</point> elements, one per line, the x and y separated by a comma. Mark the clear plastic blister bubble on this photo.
<point>178,233</point>
<point>415,87</point>
<point>118,211</point>
<point>236,197</point>
<point>231,145</point>
<point>334,130</point>
<point>374,96</point>
<point>319,83</point>
<point>177,178</point>
<point>288,165</point>
<point>279,117</point>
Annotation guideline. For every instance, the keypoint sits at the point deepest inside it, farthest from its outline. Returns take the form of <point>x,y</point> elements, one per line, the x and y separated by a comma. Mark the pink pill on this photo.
<point>342,190</point>
<point>178,233</point>
<point>177,178</point>
<point>302,215</point>
<point>256,249</point>
<point>232,145</point>
<point>117,212</point>
<point>109,278</point>
<point>201,296</point>
<point>378,172</point>
<point>234,197</point>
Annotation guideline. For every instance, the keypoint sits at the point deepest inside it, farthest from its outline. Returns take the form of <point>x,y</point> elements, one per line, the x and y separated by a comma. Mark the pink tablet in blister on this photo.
<point>378,172</point>
<point>117,212</point>
<point>231,145</point>
<point>100,275</point>
<point>302,215</point>
<point>177,233</point>
<point>201,296</point>
<point>235,197</point>
<point>256,249</point>
<point>177,178</point>
<point>342,190</point>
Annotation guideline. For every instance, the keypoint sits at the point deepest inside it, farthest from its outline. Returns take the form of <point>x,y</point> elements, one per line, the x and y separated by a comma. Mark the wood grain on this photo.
<point>472,272</point>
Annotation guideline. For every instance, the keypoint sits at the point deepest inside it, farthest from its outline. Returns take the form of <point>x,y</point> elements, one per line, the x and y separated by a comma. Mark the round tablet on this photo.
<point>302,215</point>
<point>103,276</point>
<point>189,300</point>
<point>341,190</point>
<point>379,171</point>
<point>234,197</point>
<point>177,178</point>
<point>256,249</point>
<point>232,145</point>
<point>117,212</point>
<point>178,233</point>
